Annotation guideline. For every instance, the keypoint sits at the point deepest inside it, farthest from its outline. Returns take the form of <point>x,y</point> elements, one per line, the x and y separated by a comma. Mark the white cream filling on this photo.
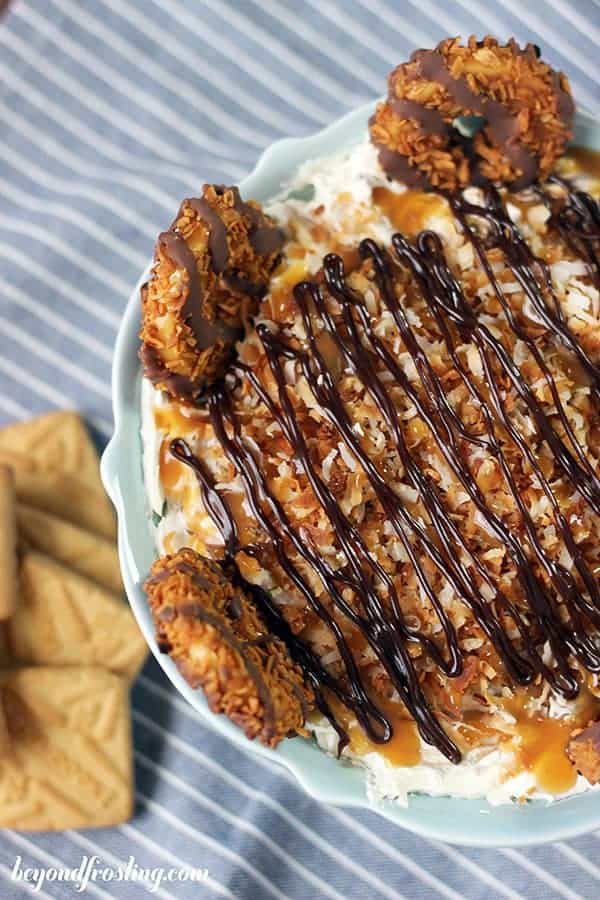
<point>342,187</point>
<point>151,441</point>
<point>484,771</point>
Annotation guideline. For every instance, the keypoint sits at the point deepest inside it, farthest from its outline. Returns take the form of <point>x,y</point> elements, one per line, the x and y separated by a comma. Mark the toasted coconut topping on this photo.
<point>404,454</point>
<point>362,421</point>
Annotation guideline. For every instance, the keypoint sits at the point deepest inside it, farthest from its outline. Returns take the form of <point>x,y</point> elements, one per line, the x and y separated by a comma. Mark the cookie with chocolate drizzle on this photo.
<point>213,629</point>
<point>525,108</point>
<point>210,270</point>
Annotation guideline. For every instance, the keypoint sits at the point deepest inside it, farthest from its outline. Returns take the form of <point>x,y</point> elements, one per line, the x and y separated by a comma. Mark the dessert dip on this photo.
<point>371,440</point>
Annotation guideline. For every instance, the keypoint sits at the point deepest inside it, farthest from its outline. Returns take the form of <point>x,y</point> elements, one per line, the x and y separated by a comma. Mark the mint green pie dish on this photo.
<point>470,822</point>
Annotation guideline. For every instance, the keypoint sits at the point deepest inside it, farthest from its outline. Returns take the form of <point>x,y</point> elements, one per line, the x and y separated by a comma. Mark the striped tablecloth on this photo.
<point>110,112</point>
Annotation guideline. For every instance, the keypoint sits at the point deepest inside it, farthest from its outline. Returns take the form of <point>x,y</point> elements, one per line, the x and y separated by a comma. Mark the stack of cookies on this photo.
<point>69,646</point>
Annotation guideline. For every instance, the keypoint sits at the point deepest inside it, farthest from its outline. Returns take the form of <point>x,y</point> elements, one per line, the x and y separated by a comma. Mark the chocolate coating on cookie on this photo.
<point>211,268</point>
<point>219,641</point>
<point>526,107</point>
<point>206,331</point>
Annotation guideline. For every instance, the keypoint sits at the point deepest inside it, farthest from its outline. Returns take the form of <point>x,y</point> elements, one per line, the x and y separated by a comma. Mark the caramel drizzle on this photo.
<point>382,624</point>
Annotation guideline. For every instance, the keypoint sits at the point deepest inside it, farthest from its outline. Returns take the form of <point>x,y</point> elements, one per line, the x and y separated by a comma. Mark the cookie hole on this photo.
<point>468,126</point>
<point>305,194</point>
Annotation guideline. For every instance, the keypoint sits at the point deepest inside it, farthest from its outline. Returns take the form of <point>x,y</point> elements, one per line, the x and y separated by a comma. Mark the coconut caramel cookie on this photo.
<point>525,105</point>
<point>219,642</point>
<point>210,269</point>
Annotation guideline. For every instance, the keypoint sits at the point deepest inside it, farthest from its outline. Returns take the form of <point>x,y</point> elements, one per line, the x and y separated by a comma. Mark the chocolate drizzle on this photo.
<point>501,123</point>
<point>557,606</point>
<point>265,238</point>
<point>430,120</point>
<point>578,222</point>
<point>217,231</point>
<point>397,166</point>
<point>205,331</point>
<point>156,372</point>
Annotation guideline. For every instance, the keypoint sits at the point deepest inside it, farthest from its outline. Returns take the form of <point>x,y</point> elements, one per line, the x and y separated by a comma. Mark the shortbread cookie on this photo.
<point>58,440</point>
<point>5,742</point>
<point>9,590</point>
<point>66,619</point>
<point>86,553</point>
<point>62,494</point>
<point>56,469</point>
<point>69,764</point>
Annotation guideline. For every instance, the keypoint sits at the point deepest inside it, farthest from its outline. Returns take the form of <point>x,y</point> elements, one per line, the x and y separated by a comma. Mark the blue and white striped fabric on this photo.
<point>111,111</point>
